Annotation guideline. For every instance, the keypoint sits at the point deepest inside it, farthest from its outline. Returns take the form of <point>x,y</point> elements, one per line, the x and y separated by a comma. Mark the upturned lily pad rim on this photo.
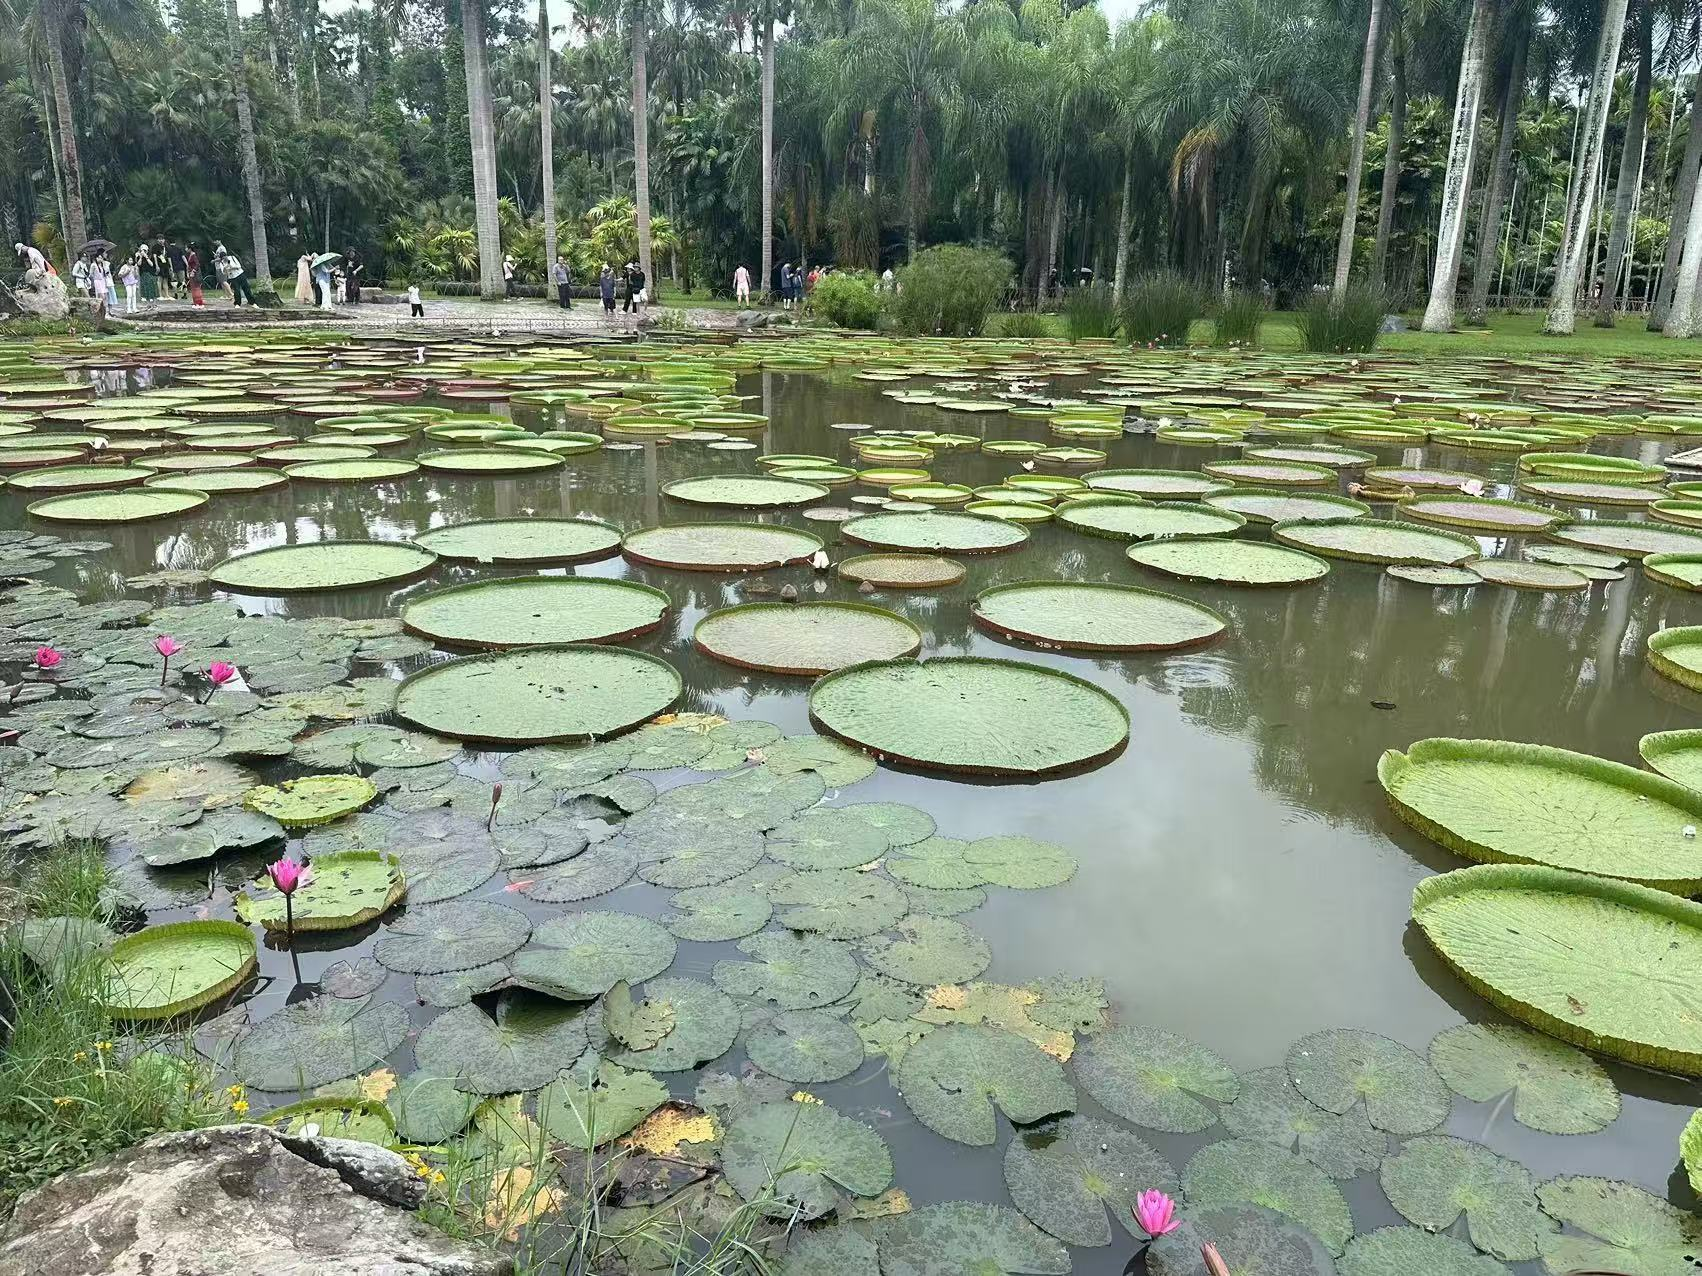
<point>650,560</point>
<point>498,584</point>
<point>307,921</point>
<point>513,460</point>
<point>1415,507</point>
<point>171,503</point>
<point>849,569</point>
<point>848,531</point>
<point>1655,746</point>
<point>1654,568</point>
<point>331,471</point>
<point>1536,879</point>
<point>792,609</point>
<point>299,550</point>
<point>977,613</point>
<point>1290,532</point>
<point>142,940</point>
<point>1661,642</point>
<point>585,556</point>
<point>1576,533</point>
<point>802,493</point>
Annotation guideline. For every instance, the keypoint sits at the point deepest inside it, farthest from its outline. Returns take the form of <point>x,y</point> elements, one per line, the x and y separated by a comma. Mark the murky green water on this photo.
<point>1242,881</point>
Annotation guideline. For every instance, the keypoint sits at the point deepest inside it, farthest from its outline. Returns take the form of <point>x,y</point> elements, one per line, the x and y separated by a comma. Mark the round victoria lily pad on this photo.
<point>968,1236</point>
<point>132,505</point>
<point>934,531</point>
<point>930,950</point>
<point>1572,556</point>
<point>489,460</point>
<point>529,1042</point>
<point>1677,654</point>
<point>805,1046</point>
<point>839,903</point>
<point>1272,1111</point>
<point>1619,1227</point>
<point>298,569</point>
<point>78,478</point>
<point>1635,540</point>
<point>1406,1251</point>
<point>1229,562</point>
<point>953,1077</point>
<point>310,800</point>
<point>358,470</point>
<point>1521,575</point>
<point>1681,571</point>
<point>1434,576</point>
<point>902,571</point>
<point>720,547</point>
<point>1432,1181</point>
<point>1125,520</point>
<point>826,838</point>
<point>1066,1177</point>
<point>583,955</point>
<point>343,890</point>
<point>1556,1088</point>
<point>1420,477</point>
<point>1377,540</point>
<point>1272,473</point>
<point>1152,1078</point>
<point>172,969</point>
<point>991,717</point>
<point>525,611</point>
<point>1529,939</point>
<point>1241,1170</point>
<point>597,1100</point>
<point>430,1109</point>
<point>703,1021</point>
<point>1584,465</point>
<point>523,540</point>
<point>457,935</point>
<point>1675,754</point>
<point>1091,617</point>
<point>1585,492</point>
<point>317,1041</point>
<point>804,638</point>
<point>1252,1240</point>
<point>1482,513</point>
<point>537,695</point>
<point>1339,1067</point>
<point>744,491</point>
<point>1157,485</point>
<point>712,914</point>
<point>1498,801</point>
<point>795,972</point>
<point>796,1157</point>
<point>214,482</point>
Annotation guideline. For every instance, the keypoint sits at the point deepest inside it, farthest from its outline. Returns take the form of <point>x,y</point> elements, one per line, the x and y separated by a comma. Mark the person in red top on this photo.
<point>192,268</point>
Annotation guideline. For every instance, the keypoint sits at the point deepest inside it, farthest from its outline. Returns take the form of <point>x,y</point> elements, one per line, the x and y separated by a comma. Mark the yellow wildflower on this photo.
<point>82,1056</point>
<point>103,1046</point>
<point>63,1101</point>
<point>240,1107</point>
<point>235,1091</point>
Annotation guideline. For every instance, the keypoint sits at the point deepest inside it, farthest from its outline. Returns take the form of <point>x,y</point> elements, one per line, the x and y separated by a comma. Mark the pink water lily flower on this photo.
<point>168,647</point>
<point>287,875</point>
<point>47,657</point>
<point>218,673</point>
<point>1156,1213</point>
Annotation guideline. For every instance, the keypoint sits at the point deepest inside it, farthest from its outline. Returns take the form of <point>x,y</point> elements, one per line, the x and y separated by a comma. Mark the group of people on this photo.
<point>324,280</point>
<point>154,271</point>
<point>632,285</point>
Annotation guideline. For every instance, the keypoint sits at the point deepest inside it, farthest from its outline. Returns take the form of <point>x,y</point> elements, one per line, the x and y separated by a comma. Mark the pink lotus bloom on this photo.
<point>47,657</point>
<point>287,875</point>
<point>219,673</point>
<point>1156,1213</point>
<point>167,646</point>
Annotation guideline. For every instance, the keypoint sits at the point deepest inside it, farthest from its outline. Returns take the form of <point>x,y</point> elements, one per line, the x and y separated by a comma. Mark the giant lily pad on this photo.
<point>720,547</point>
<point>1155,1078</point>
<point>310,800</point>
<point>1377,540</point>
<point>1677,654</point>
<point>1681,571</point>
<point>1530,939</point>
<point>1482,513</point>
<point>1522,575</point>
<point>806,1047</point>
<point>1229,562</point>
<point>130,505</point>
<point>169,970</point>
<point>804,638</point>
<point>1271,1110</point>
<point>902,571</point>
<point>582,955</point>
<point>358,470</point>
<point>744,491</point>
<point>953,1077</point>
<point>968,1236</point>
<point>1497,801</point>
<point>993,717</point>
<point>525,611</point>
<point>298,569</point>
<point>597,1100</point>
<point>531,1039</point>
<point>537,695</point>
<point>491,460</point>
<point>343,890</point>
<point>795,972</point>
<point>1619,1227</point>
<point>1339,1067</point>
<point>1432,1181</point>
<point>703,1021</point>
<point>1119,519</point>
<point>793,1157</point>
<point>1239,1170</point>
<point>1089,617</point>
<point>1635,540</point>
<point>1066,1177</point>
<point>523,540</point>
<point>1556,1089</point>
<point>1157,485</point>
<point>457,935</point>
<point>1272,505</point>
<point>934,532</point>
<point>317,1041</point>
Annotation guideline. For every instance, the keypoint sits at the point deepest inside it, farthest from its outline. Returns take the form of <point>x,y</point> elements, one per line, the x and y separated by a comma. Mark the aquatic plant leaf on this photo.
<point>1556,1088</point>
<point>933,532</point>
<point>430,1108</point>
<point>353,979</point>
<point>954,1076</point>
<point>1520,575</point>
<point>795,972</point>
<point>1338,1067</point>
<point>743,491</point>
<point>711,914</point>
<point>1070,1004</point>
<point>997,1005</point>
<point>1229,562</point>
<point>1431,1181</point>
<point>1065,1178</point>
<point>310,800</point>
<point>1529,939</point>
<point>294,569</point>
<point>826,838</point>
<point>531,1039</point>
<point>1252,1240</point>
<point>834,762</point>
<point>436,872</point>
<point>595,872</point>
<point>1021,862</point>
<point>458,987</point>
<point>796,1156</point>
<point>805,1046</point>
<point>212,783</point>
<point>1094,617</point>
<point>597,1100</point>
<point>804,638</point>
<point>317,1041</point>
<point>1155,1078</point>
<point>705,1023</point>
<point>342,891</point>
<point>636,1025</point>
<point>1625,1229</point>
<point>968,1236</point>
<point>583,955</point>
<point>903,825</point>
<point>1439,577</point>
<point>1690,1149</point>
<point>523,540</point>
<point>457,935</point>
<point>1272,1111</point>
<point>1377,540</point>
<point>703,854</point>
<point>58,945</point>
<point>1243,1170</point>
<point>840,903</point>
<point>720,547</point>
<point>169,970</point>
<point>523,611</point>
<point>939,863</point>
<point>661,746</point>
<point>336,746</point>
<point>830,1251</point>
<point>930,950</point>
<point>1675,754</point>
<point>216,831</point>
<point>1402,1251</point>
<point>1117,519</point>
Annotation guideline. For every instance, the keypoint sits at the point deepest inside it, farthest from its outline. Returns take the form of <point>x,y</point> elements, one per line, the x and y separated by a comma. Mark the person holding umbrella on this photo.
<point>322,278</point>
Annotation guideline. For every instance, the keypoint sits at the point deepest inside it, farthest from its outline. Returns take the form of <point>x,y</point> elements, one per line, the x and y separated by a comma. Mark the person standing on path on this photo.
<point>742,285</point>
<point>352,266</point>
<point>149,271</point>
<point>192,273</point>
<point>80,276</point>
<point>230,270</point>
<point>131,277</point>
<point>629,288</point>
<point>322,282</point>
<point>562,277</point>
<point>508,276</point>
<point>176,262</point>
<point>304,280</point>
<point>416,307</point>
<point>606,286</point>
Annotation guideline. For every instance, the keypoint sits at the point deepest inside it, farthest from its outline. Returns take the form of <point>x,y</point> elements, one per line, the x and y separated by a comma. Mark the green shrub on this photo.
<point>1089,312</point>
<point>1159,308</point>
<point>1020,324</point>
<point>1239,315</point>
<point>847,298</point>
<point>1349,326</point>
<point>950,290</point>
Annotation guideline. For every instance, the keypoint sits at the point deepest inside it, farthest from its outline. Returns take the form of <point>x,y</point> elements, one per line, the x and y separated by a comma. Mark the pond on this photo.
<point>1240,879</point>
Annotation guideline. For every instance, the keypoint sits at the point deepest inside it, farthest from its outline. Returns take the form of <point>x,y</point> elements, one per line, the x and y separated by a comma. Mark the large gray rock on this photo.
<point>236,1200</point>
<point>42,295</point>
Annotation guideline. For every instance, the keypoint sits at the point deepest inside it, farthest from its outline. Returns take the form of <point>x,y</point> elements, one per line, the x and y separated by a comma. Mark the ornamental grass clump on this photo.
<point>1159,309</point>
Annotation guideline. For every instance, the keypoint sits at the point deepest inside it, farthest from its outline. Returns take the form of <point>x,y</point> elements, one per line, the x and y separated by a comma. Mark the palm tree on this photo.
<point>1391,148</point>
<point>1518,43</point>
<point>1131,63</point>
<point>1682,193</point>
<point>1682,316</point>
<point>638,30</point>
<point>546,135</point>
<point>250,156</point>
<point>482,135</point>
<point>1356,151</point>
<point>1462,153</point>
<point>772,11</point>
<point>1630,165</point>
<point>1563,300</point>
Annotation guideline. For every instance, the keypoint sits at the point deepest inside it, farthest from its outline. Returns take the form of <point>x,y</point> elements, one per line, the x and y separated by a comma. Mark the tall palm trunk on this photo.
<point>58,176</point>
<point>764,281</point>
<point>1630,167</point>
<point>1462,153</point>
<point>1681,318</point>
<point>1391,153</point>
<point>546,138</point>
<point>76,230</point>
<point>1683,192</point>
<point>482,135</point>
<point>1495,194</point>
<point>250,156</point>
<point>1123,228</point>
<point>641,140</point>
<point>1356,153</point>
<point>1563,300</point>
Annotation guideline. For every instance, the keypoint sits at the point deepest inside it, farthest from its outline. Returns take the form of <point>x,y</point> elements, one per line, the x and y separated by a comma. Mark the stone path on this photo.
<point>519,315</point>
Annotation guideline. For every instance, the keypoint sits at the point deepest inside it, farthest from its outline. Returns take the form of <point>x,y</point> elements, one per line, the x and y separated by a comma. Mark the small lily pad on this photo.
<point>710,914</point>
<point>1556,1088</point>
<point>457,935</point>
<point>1339,1067</point>
<point>1405,1251</point>
<point>839,903</point>
<point>954,1076</point>
<point>968,1236</point>
<point>597,1100</point>
<point>705,1024</point>
<point>311,800</point>
<point>1155,1078</point>
<point>1252,1240</point>
<point>805,1046</point>
<point>1067,1176</point>
<point>429,1108</point>
<point>796,1157</point>
<point>1020,863</point>
<point>795,972</point>
<point>523,1048</point>
<point>826,838</point>
<point>317,1041</point>
<point>1431,1181</point>
<point>1619,1227</point>
<point>596,872</point>
<point>1272,1111</point>
<point>1238,1170</point>
<point>583,955</point>
<point>930,950</point>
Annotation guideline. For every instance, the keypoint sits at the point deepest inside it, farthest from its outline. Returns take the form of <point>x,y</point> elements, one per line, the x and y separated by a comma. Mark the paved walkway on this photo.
<point>457,312</point>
